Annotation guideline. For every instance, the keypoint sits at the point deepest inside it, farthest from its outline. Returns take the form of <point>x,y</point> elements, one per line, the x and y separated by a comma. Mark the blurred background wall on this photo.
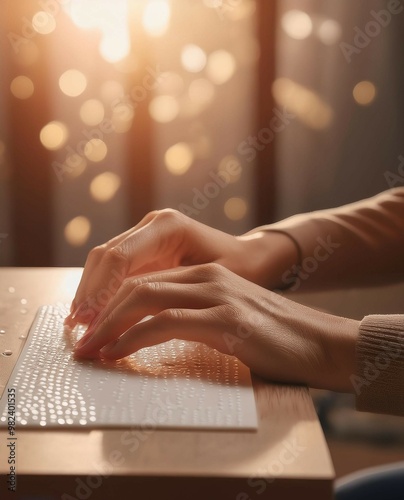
<point>237,112</point>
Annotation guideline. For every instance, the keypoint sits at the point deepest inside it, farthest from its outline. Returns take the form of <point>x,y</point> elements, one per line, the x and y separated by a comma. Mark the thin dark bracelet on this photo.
<point>298,266</point>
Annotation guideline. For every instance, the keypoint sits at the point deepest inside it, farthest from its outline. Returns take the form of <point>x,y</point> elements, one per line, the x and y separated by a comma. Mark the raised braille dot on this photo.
<point>7,353</point>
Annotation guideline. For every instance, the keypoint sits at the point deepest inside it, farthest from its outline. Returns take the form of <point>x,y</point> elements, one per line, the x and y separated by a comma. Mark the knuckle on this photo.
<point>169,215</point>
<point>115,257</point>
<point>96,253</point>
<point>127,286</point>
<point>170,315</point>
<point>145,290</point>
<point>212,270</point>
<point>142,290</point>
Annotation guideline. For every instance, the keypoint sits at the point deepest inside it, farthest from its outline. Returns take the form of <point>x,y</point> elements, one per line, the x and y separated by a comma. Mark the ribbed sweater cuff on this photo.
<point>379,381</point>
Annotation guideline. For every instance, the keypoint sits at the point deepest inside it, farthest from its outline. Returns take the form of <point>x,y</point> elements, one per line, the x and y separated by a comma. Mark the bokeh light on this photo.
<point>329,31</point>
<point>22,87</point>
<point>240,10</point>
<point>104,187</point>
<point>85,15</point>
<point>72,83</point>
<point>179,158</point>
<point>77,231</point>
<point>193,58</point>
<point>297,24</point>
<point>235,208</point>
<point>221,66</point>
<point>95,150</point>
<point>164,108</point>
<point>54,135</point>
<point>92,112</point>
<point>307,105</point>
<point>364,93</point>
<point>115,46</point>
<point>156,17</point>
<point>43,23</point>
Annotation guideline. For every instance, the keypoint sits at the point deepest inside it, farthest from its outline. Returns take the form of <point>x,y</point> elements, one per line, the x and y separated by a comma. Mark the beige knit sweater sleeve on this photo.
<point>358,244</point>
<point>379,381</point>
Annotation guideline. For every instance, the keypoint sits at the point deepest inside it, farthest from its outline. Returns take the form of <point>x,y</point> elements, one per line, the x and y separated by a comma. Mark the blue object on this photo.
<point>385,482</point>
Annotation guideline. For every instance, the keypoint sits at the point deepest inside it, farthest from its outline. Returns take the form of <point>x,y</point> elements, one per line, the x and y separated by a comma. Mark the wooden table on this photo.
<point>287,457</point>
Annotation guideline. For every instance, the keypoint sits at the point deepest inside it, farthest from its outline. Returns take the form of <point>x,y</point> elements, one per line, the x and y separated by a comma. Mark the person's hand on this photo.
<point>277,338</point>
<point>168,239</point>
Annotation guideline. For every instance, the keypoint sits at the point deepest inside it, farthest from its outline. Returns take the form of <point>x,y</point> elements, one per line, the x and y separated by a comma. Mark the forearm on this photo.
<point>358,244</point>
<point>271,254</point>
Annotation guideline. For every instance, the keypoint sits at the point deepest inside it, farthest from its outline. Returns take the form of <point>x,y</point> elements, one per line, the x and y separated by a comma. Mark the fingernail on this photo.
<point>73,306</point>
<point>82,307</point>
<point>68,320</point>
<point>108,348</point>
<point>85,339</point>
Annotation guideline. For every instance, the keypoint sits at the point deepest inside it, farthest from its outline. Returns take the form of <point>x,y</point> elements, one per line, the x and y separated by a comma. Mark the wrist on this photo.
<point>339,353</point>
<point>271,254</point>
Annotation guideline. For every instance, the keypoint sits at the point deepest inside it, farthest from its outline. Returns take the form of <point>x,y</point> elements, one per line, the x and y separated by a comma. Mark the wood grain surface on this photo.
<point>287,457</point>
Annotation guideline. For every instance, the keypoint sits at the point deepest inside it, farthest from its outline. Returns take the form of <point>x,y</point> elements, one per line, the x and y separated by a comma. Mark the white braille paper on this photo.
<point>173,385</point>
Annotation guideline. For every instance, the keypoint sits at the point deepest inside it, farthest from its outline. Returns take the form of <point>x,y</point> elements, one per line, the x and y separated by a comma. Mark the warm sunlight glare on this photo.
<point>156,17</point>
